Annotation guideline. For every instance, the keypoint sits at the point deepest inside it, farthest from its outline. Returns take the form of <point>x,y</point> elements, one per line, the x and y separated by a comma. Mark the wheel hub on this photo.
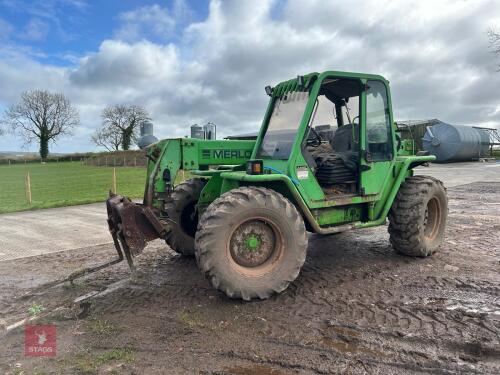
<point>252,243</point>
<point>432,218</point>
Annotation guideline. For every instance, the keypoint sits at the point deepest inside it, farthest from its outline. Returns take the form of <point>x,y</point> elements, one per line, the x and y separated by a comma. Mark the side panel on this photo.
<point>198,153</point>
<point>339,214</point>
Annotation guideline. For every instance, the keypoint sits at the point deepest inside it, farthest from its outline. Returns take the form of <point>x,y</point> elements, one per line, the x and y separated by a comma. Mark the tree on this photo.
<point>120,126</point>
<point>108,138</point>
<point>41,116</point>
<point>494,37</point>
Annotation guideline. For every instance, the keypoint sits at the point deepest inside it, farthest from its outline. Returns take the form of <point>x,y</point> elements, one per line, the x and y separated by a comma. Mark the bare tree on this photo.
<point>41,116</point>
<point>108,138</point>
<point>120,126</point>
<point>494,37</point>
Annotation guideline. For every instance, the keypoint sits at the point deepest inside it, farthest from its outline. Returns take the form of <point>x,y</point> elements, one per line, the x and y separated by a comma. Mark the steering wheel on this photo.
<point>316,141</point>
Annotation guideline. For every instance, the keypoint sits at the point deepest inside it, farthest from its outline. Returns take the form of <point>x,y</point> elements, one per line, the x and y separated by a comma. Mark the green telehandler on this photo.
<point>328,158</point>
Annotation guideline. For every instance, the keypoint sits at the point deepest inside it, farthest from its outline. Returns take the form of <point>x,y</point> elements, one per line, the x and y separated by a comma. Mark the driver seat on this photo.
<point>343,141</point>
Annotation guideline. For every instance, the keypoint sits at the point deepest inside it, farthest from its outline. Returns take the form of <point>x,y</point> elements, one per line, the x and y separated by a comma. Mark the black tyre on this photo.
<point>251,243</point>
<point>182,210</point>
<point>417,218</point>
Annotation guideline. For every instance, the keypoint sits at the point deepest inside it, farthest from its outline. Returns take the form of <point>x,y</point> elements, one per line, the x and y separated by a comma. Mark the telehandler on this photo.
<point>327,159</point>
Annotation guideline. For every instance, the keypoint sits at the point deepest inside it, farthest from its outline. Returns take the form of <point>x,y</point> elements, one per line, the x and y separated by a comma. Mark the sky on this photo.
<point>197,61</point>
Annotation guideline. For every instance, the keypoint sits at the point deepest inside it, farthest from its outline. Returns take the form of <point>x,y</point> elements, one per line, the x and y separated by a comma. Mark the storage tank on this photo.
<point>455,142</point>
<point>210,130</point>
<point>197,132</point>
<point>147,136</point>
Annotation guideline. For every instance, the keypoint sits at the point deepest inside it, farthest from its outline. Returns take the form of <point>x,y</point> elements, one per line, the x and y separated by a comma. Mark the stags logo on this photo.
<point>40,340</point>
<point>226,154</point>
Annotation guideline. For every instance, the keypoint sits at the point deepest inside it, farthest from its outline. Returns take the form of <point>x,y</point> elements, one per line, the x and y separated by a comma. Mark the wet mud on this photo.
<point>357,307</point>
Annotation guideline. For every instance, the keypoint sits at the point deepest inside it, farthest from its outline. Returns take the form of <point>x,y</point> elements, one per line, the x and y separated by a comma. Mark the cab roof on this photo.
<point>308,79</point>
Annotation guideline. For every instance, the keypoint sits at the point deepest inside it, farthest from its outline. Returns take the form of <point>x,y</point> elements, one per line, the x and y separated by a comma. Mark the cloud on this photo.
<point>435,54</point>
<point>146,21</point>
<point>120,64</point>
<point>5,29</point>
<point>35,30</point>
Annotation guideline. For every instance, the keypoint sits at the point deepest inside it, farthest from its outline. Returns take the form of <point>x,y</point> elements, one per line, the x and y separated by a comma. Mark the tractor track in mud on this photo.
<point>357,307</point>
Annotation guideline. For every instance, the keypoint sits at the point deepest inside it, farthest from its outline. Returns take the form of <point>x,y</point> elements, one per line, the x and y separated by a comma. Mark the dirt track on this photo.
<point>357,307</point>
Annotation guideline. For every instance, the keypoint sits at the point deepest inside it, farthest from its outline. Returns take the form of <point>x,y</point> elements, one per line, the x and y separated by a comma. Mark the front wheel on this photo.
<point>417,218</point>
<point>251,242</point>
<point>181,208</point>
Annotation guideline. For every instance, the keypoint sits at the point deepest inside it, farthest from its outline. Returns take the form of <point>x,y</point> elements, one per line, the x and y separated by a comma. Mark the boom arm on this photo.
<point>169,156</point>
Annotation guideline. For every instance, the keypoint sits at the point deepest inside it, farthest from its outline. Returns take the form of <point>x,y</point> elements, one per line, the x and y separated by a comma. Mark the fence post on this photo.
<point>114,180</point>
<point>135,161</point>
<point>28,187</point>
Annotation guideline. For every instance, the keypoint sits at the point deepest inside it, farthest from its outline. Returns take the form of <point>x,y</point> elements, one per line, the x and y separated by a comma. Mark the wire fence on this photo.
<point>30,186</point>
<point>129,158</point>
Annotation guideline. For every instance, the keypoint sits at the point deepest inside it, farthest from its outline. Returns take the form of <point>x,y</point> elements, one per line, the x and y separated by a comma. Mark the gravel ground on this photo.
<point>357,307</point>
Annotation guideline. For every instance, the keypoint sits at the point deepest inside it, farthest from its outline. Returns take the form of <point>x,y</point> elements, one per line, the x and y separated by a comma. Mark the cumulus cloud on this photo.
<point>127,65</point>
<point>435,54</point>
<point>149,20</point>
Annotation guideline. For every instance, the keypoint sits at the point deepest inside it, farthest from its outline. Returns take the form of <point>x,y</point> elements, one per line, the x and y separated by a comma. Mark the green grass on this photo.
<point>88,362</point>
<point>102,327</point>
<point>35,309</point>
<point>64,184</point>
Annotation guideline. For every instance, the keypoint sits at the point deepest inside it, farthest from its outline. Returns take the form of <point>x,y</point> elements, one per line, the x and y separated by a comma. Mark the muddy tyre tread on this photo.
<point>219,215</point>
<point>183,194</point>
<point>406,228</point>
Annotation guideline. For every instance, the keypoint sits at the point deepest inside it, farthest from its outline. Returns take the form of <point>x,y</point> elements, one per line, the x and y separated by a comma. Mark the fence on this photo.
<point>24,187</point>
<point>37,160</point>
<point>131,158</point>
<point>118,159</point>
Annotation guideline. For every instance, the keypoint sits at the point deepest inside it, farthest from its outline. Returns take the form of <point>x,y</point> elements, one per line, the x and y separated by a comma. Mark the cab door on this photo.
<point>377,144</point>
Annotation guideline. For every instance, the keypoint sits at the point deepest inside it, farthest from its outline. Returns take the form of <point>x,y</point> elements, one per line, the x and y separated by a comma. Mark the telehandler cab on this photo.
<point>327,159</point>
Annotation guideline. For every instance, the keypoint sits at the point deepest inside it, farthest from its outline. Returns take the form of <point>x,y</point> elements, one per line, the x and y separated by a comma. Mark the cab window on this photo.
<point>378,122</point>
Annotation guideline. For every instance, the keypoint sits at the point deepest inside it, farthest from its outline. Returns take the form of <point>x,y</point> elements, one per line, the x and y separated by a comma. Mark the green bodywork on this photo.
<point>222,163</point>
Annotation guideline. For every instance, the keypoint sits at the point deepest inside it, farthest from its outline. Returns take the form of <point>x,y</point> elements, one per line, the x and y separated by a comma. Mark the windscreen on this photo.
<point>283,125</point>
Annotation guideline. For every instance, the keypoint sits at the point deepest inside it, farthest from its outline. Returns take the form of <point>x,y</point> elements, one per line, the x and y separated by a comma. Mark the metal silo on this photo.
<point>210,130</point>
<point>197,132</point>
<point>455,142</point>
<point>147,136</point>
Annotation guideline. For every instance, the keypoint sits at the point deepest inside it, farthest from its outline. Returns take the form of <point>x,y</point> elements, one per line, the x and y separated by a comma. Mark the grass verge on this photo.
<point>64,184</point>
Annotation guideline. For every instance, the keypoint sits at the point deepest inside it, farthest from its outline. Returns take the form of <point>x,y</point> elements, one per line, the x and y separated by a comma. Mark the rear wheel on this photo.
<point>251,242</point>
<point>182,210</point>
<point>418,215</point>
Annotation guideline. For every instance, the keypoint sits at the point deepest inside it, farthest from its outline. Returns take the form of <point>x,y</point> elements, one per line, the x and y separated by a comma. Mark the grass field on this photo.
<point>64,184</point>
